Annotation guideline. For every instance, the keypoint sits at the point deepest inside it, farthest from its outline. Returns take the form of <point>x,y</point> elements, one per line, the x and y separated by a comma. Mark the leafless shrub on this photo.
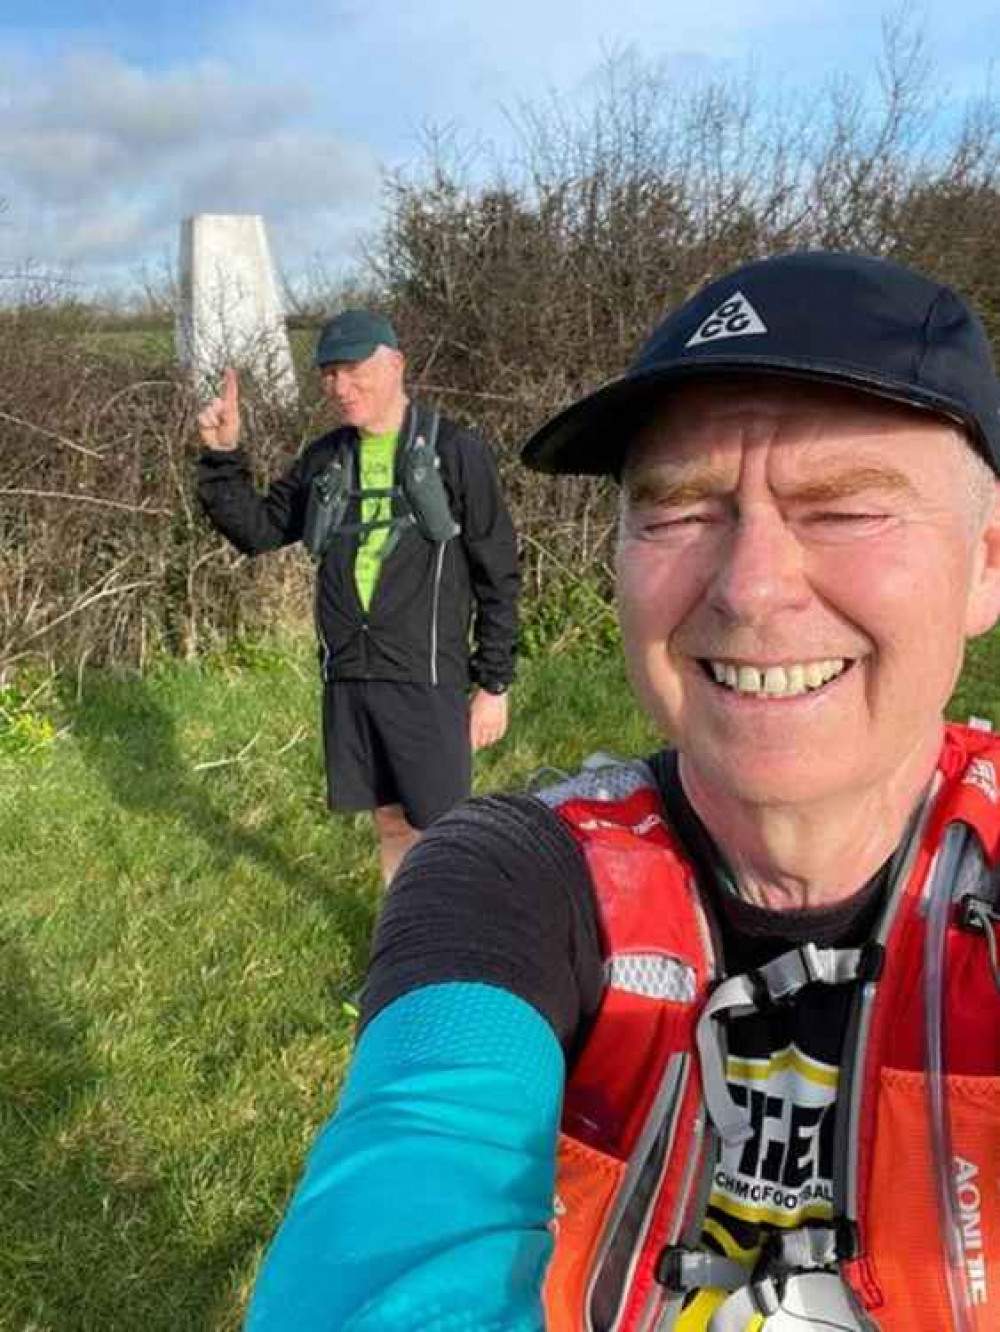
<point>518,291</point>
<point>515,289</point>
<point>104,555</point>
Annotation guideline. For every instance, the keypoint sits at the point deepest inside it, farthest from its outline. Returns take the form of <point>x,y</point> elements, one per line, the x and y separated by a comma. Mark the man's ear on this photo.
<point>984,593</point>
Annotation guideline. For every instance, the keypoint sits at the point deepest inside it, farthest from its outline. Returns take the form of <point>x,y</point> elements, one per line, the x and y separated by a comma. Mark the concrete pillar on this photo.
<point>230,311</point>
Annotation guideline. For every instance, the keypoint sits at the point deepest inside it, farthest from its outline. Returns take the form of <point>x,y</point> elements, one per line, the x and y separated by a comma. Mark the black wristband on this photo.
<point>493,687</point>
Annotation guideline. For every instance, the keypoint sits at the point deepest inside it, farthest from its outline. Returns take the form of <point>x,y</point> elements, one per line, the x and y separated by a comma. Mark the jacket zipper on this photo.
<point>435,607</point>
<point>324,650</point>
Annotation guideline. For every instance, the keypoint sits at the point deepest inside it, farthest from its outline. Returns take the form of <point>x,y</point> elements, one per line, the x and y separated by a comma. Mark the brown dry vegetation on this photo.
<point>104,555</point>
<point>514,290</point>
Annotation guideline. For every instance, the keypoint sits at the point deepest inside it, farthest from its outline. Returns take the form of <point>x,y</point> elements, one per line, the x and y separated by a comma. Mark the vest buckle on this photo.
<point>680,1269</point>
<point>979,915</point>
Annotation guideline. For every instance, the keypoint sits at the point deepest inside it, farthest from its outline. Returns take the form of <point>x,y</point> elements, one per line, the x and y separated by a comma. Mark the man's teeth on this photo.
<point>778,681</point>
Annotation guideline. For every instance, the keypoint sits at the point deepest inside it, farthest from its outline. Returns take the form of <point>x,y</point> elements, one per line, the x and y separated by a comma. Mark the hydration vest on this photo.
<point>419,499</point>
<point>647,1105</point>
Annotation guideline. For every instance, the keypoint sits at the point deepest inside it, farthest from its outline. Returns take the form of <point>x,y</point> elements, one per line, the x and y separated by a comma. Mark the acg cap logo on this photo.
<point>734,318</point>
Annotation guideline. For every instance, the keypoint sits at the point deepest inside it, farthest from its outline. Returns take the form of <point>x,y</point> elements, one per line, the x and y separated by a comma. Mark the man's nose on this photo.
<point>762,570</point>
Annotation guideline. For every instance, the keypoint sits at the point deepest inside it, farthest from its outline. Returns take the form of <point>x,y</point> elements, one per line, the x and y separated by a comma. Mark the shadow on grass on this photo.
<point>129,739</point>
<point>91,1231</point>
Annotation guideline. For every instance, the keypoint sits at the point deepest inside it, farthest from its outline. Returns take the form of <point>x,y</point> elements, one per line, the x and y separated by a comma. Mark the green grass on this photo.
<point>181,927</point>
<point>177,945</point>
<point>149,344</point>
<point>978,691</point>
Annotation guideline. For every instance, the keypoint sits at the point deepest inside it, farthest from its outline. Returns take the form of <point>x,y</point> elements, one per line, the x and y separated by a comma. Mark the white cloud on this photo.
<point>168,107</point>
<point>284,173</point>
<point>100,160</point>
<point>253,106</point>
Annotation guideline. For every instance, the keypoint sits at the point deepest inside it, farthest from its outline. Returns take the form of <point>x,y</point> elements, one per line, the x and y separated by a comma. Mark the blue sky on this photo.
<point>121,117</point>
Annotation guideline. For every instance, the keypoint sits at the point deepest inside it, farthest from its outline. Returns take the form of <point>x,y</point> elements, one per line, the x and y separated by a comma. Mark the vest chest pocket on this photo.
<point>587,1184</point>
<point>329,494</point>
<point>604,1206</point>
<point>904,1229</point>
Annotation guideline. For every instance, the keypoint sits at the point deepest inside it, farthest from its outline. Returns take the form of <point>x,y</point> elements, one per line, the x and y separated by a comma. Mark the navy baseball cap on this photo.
<point>353,336</point>
<point>845,319</point>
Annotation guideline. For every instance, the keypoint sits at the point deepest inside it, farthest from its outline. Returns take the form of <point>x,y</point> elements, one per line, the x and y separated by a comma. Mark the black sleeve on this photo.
<point>491,550</point>
<point>254,523</point>
<point>496,891</point>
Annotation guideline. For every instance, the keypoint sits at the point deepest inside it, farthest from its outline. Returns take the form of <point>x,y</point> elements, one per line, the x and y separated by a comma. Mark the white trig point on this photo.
<point>230,312</point>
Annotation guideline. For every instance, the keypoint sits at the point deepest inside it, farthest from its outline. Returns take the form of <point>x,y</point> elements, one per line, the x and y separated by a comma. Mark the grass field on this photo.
<point>181,927</point>
<point>155,344</point>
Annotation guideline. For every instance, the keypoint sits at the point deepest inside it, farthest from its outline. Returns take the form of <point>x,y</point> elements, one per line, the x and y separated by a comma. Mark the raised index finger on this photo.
<point>231,393</point>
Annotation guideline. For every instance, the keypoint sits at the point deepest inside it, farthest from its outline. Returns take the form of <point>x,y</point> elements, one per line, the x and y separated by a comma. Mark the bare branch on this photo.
<point>83,604</point>
<point>49,434</point>
<point>144,510</point>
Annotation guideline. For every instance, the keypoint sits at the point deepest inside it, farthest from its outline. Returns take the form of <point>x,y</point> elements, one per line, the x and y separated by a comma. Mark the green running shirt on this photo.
<point>377,455</point>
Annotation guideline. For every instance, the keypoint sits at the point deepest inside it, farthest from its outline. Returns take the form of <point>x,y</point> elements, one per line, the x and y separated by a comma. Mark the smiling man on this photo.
<point>415,556</point>
<point>711,1041</point>
<point>785,547</point>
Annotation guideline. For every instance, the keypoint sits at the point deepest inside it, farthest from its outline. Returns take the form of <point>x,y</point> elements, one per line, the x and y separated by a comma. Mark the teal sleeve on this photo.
<point>427,1197</point>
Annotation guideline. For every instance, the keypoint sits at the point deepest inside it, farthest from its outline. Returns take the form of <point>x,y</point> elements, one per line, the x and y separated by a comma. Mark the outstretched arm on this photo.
<point>426,1200</point>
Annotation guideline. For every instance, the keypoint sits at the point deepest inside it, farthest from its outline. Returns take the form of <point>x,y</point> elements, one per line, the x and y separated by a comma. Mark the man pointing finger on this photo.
<point>415,557</point>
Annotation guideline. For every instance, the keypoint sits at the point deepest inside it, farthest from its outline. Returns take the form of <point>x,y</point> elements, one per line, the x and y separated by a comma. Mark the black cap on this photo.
<point>844,319</point>
<point>353,336</point>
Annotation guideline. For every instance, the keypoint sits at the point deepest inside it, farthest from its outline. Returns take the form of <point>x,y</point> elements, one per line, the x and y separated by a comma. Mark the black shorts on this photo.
<point>393,743</point>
